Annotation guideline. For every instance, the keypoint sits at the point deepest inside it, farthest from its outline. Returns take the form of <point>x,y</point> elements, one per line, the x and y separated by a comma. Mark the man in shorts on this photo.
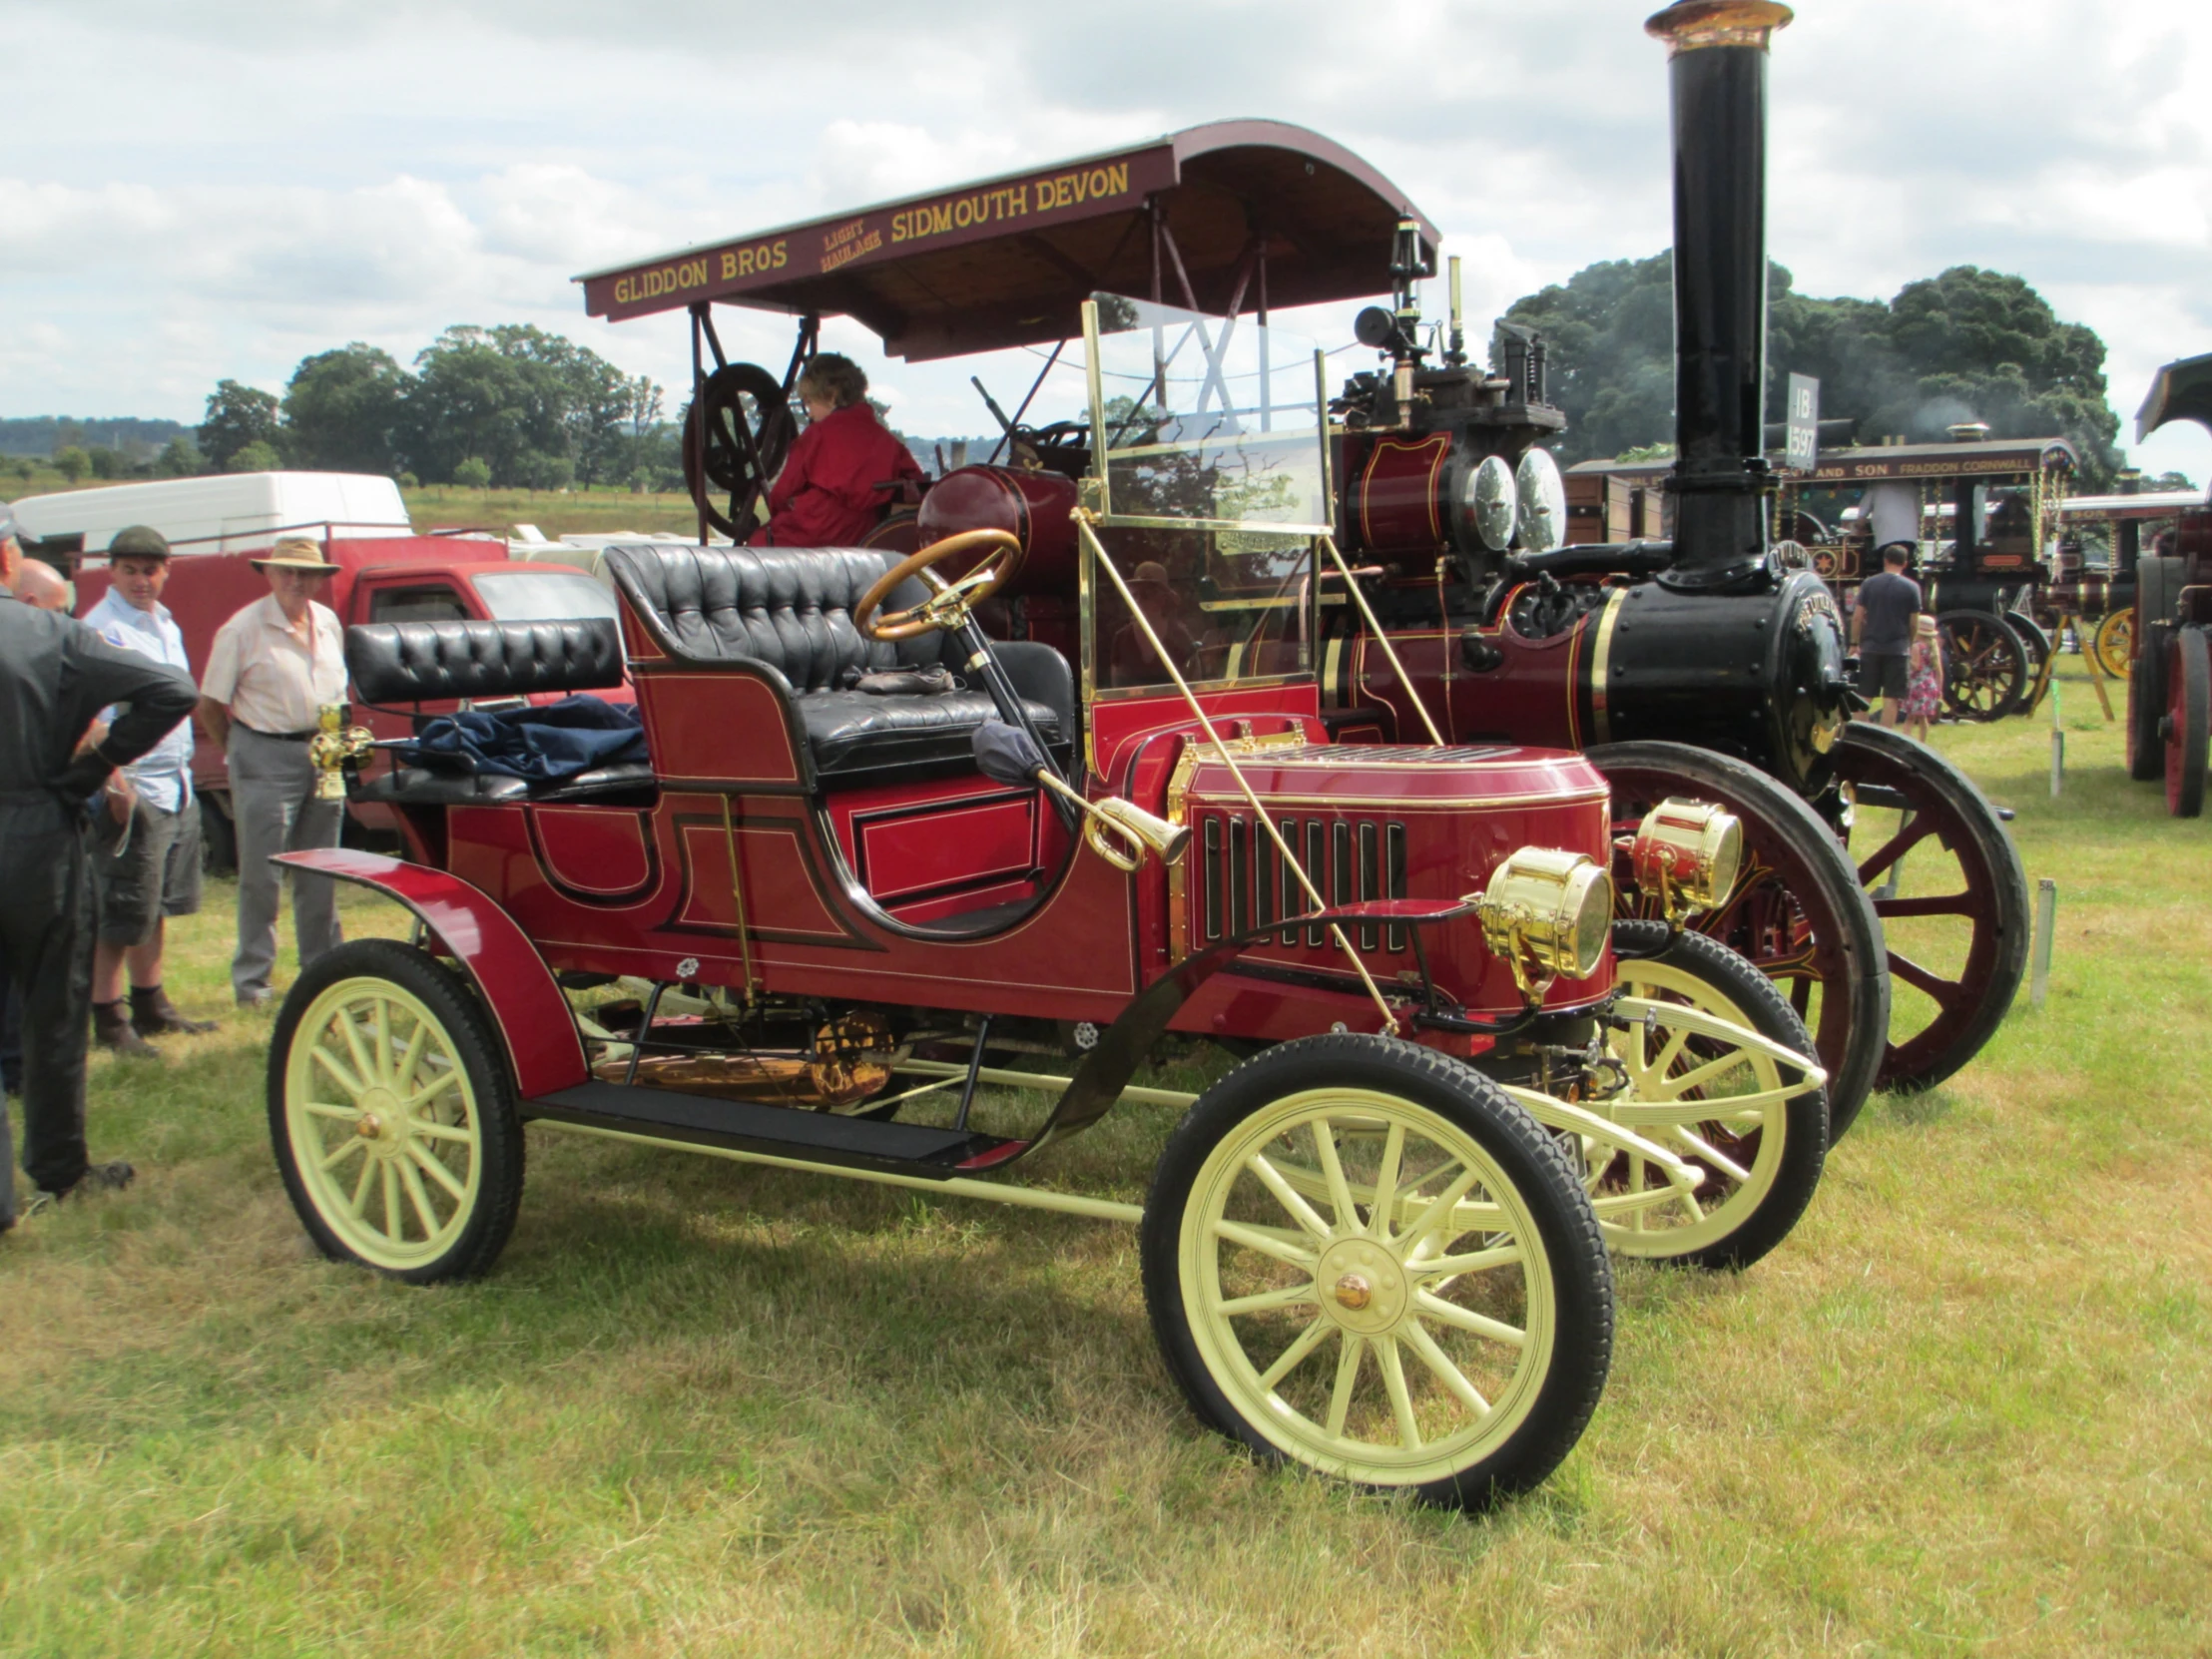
<point>1882,625</point>
<point>146,859</point>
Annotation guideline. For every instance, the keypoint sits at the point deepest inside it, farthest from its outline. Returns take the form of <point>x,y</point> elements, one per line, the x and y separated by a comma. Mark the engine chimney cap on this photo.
<point>1691,24</point>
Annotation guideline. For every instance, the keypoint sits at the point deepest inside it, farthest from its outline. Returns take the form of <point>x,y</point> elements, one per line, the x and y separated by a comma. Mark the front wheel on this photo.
<point>1438,1318</point>
<point>1985,667</point>
<point>394,1116</point>
<point>1727,1107</point>
<point>2113,643</point>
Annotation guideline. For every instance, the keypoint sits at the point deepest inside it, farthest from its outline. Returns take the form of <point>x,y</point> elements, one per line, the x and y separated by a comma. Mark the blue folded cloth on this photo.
<point>560,740</point>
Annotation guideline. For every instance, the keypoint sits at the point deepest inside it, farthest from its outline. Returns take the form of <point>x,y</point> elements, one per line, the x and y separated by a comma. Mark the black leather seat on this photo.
<point>429,662</point>
<point>788,612</point>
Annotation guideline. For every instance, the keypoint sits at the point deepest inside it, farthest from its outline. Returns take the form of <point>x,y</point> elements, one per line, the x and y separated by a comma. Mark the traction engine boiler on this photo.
<point>1703,639</point>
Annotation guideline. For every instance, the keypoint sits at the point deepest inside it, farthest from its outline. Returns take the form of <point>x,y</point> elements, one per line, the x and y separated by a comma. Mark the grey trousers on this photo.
<point>46,942</point>
<point>274,804</point>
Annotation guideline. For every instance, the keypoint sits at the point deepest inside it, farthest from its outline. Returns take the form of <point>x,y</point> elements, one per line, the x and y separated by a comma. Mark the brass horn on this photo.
<point>1121,831</point>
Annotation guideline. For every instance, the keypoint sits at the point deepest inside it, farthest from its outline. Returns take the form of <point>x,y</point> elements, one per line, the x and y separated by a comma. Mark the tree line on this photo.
<point>1969,344</point>
<point>510,406</point>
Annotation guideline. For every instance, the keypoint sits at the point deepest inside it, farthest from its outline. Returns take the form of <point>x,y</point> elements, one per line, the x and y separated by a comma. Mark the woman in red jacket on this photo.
<point>827,494</point>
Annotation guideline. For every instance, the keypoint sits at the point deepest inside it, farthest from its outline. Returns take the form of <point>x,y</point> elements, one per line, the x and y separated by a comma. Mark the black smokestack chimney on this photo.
<point>1718,70</point>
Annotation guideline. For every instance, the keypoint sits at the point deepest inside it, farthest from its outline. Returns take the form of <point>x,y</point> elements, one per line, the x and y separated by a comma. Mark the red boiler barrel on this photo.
<point>1034,506</point>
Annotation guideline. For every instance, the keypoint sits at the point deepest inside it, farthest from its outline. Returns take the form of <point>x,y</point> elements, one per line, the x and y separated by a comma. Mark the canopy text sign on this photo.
<point>974,213</point>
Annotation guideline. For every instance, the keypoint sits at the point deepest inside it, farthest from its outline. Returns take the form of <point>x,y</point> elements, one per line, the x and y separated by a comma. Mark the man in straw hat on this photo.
<point>56,676</point>
<point>272,670</point>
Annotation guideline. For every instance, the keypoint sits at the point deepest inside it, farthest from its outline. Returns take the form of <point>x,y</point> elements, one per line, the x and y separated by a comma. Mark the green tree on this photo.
<point>238,415</point>
<point>342,409</point>
<point>1969,344</point>
<point>537,408</point>
<point>473,473</point>
<point>108,463</point>
<point>72,462</point>
<point>180,458</point>
<point>257,456</point>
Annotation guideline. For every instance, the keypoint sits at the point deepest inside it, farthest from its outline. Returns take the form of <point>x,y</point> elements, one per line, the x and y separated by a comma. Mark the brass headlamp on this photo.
<point>1686,855</point>
<point>335,747</point>
<point>1548,913</point>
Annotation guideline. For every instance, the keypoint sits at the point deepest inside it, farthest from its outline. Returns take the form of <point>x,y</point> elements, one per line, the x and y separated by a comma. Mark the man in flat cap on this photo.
<point>146,865</point>
<point>56,676</point>
<point>272,669</point>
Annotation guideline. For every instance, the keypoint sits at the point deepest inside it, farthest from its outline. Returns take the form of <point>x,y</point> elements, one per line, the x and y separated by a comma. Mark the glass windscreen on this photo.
<point>1208,419</point>
<point>1214,490</point>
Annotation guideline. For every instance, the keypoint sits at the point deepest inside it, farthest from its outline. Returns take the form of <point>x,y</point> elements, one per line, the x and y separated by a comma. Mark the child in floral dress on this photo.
<point>1923,679</point>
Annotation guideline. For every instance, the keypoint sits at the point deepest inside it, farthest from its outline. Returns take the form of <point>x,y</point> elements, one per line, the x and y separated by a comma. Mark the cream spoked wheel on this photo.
<point>1437,1315</point>
<point>1754,1125</point>
<point>392,1118</point>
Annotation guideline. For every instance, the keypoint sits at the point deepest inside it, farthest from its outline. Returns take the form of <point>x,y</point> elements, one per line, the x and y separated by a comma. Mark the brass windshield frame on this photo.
<point>1097,497</point>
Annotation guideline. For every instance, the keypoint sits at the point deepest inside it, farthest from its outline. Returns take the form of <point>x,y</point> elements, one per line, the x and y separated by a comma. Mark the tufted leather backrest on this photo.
<point>789,607</point>
<point>423,661</point>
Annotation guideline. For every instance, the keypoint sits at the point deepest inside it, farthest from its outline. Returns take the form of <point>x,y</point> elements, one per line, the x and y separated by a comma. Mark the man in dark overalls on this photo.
<point>56,676</point>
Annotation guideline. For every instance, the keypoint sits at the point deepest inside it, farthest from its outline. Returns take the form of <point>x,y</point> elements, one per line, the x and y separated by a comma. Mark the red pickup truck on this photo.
<point>381,578</point>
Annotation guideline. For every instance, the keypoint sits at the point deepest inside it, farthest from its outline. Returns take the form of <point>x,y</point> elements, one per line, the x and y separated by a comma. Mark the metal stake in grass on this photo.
<point>2046,923</point>
<point>2058,745</point>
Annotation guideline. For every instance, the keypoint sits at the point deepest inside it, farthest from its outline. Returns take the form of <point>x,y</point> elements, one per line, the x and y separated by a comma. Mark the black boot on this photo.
<point>111,1029</point>
<point>153,1015</point>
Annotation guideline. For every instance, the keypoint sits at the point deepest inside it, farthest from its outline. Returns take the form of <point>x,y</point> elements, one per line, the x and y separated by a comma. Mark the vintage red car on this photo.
<point>869,841</point>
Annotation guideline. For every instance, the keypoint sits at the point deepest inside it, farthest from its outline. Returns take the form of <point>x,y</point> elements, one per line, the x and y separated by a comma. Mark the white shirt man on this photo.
<point>146,851</point>
<point>272,669</point>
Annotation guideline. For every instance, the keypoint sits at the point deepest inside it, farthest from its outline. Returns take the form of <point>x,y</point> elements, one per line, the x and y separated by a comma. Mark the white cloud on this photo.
<point>294,173</point>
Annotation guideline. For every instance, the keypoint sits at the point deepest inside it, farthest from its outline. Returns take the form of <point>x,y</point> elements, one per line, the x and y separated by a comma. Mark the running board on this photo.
<point>781,1131</point>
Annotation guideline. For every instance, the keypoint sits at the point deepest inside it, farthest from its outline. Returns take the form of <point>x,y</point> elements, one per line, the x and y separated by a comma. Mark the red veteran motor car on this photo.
<point>869,847</point>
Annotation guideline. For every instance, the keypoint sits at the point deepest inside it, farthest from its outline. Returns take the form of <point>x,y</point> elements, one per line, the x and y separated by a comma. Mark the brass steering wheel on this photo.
<point>948,607</point>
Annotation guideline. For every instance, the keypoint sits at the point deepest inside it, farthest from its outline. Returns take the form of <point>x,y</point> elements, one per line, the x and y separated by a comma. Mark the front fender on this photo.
<point>528,1008</point>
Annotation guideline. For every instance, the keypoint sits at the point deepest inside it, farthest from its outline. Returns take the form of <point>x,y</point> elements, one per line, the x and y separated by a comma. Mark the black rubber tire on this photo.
<point>1992,866</point>
<point>2147,706</point>
<point>2157,591</point>
<point>2034,641</point>
<point>218,839</point>
<point>1533,1159</point>
<point>1850,1048</point>
<point>478,1047</point>
<point>2188,721</point>
<point>1805,1116</point>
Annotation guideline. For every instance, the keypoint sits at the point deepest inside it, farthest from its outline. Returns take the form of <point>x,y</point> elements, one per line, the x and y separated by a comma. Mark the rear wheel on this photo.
<point>392,1115</point>
<point>2188,715</point>
<point>2147,706</point>
<point>1985,667</point>
<point>1798,911</point>
<point>1948,886</point>
<point>1726,1108</point>
<point>1440,1321</point>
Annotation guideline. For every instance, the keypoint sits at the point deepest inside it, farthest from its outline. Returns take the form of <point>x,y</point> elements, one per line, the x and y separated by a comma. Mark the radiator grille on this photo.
<point>1245,883</point>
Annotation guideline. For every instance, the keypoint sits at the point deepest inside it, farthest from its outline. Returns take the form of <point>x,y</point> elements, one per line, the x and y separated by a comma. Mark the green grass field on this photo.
<point>703,1410</point>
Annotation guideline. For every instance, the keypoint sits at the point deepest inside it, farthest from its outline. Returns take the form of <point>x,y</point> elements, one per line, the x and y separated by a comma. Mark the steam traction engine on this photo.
<point>1706,640</point>
<point>2169,685</point>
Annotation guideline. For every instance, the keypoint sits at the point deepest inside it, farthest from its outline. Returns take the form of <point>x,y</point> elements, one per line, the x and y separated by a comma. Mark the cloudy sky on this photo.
<point>189,191</point>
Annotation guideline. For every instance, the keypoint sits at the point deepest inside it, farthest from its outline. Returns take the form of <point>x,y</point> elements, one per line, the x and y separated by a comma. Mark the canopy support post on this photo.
<point>697,419</point>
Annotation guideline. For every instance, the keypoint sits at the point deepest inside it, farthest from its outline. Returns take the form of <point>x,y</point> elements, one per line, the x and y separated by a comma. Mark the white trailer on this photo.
<point>235,513</point>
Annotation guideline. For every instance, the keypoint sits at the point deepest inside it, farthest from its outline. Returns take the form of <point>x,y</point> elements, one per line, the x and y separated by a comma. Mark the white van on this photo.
<point>234,512</point>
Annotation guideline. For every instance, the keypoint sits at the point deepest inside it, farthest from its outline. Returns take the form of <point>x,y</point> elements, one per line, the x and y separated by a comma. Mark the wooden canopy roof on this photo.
<point>1009,261</point>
